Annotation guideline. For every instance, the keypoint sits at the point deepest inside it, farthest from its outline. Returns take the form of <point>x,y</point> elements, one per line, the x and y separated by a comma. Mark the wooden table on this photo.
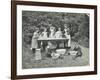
<point>57,40</point>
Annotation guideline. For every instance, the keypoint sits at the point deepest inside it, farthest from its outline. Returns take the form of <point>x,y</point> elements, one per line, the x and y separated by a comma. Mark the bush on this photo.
<point>78,24</point>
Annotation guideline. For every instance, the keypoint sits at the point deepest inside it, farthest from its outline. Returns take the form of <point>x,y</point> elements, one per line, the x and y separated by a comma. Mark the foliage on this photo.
<point>78,24</point>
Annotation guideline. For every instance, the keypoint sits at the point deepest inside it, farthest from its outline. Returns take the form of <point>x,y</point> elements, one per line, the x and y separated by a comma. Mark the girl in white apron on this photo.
<point>34,43</point>
<point>67,35</point>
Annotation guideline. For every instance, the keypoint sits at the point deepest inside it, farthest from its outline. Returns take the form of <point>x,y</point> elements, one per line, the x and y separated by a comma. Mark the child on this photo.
<point>44,34</point>
<point>34,43</point>
<point>51,46</point>
<point>67,35</point>
<point>52,32</point>
<point>79,52</point>
<point>58,33</point>
<point>75,51</point>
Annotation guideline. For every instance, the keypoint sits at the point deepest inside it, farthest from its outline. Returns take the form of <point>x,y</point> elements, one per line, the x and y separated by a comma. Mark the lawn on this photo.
<point>28,59</point>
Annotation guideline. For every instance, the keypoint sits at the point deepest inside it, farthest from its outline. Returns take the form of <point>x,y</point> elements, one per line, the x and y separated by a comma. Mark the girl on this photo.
<point>44,33</point>
<point>67,35</point>
<point>44,36</point>
<point>51,46</point>
<point>52,32</point>
<point>34,43</point>
<point>58,33</point>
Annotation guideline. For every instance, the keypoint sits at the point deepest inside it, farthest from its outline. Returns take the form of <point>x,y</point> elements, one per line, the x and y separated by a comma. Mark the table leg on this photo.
<point>57,44</point>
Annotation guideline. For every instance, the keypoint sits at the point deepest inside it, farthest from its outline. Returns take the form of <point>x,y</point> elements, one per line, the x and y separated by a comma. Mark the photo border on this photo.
<point>14,39</point>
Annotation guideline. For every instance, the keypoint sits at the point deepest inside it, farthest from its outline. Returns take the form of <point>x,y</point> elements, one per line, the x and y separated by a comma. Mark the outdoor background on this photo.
<point>78,24</point>
<point>5,41</point>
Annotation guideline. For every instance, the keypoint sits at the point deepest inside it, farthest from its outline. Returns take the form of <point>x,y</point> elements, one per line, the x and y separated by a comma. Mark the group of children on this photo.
<point>50,46</point>
<point>52,33</point>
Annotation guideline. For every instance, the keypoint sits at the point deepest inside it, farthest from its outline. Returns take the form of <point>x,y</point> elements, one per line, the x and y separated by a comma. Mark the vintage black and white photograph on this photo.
<point>51,40</point>
<point>54,39</point>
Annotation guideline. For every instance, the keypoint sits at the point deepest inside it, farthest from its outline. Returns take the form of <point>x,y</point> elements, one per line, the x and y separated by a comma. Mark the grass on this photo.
<point>28,59</point>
